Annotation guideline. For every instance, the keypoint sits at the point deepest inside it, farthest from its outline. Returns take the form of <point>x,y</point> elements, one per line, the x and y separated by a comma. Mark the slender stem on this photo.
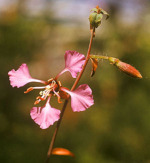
<point>99,57</point>
<point>55,132</point>
<point>66,101</point>
<point>86,61</point>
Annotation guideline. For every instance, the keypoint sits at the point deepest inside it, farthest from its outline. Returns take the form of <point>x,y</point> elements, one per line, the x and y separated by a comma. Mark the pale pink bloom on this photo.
<point>81,98</point>
<point>21,77</point>
<point>45,116</point>
<point>73,63</point>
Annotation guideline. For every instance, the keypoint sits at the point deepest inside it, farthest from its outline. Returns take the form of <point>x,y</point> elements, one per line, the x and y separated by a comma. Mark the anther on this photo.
<point>28,90</point>
<point>40,98</point>
<point>59,83</point>
<point>48,87</point>
<point>50,80</point>
<point>36,102</point>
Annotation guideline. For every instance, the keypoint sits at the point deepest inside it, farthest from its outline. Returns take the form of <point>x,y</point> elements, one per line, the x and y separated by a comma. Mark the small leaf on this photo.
<point>99,18</point>
<point>94,65</point>
<point>95,10</point>
<point>62,151</point>
<point>105,13</point>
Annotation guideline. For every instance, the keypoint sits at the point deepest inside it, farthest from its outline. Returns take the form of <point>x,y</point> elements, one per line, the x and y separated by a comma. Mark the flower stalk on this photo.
<point>99,57</point>
<point>67,100</point>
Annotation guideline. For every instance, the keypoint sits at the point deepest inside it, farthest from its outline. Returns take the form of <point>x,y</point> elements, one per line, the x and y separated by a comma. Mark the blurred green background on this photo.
<point>117,127</point>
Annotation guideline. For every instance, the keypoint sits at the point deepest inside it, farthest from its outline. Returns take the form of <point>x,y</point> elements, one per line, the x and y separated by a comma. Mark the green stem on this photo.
<point>99,57</point>
<point>66,101</point>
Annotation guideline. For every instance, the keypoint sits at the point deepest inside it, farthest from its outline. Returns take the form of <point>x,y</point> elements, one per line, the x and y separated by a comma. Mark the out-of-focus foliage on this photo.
<point>115,129</point>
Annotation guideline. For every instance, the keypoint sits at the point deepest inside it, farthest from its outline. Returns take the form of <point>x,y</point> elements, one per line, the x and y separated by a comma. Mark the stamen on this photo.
<point>44,94</point>
<point>28,90</point>
<point>57,94</point>
<point>59,83</point>
<point>58,99</point>
<point>41,93</point>
<point>50,89</point>
<point>40,98</point>
<point>39,87</point>
<point>53,83</point>
<point>50,80</point>
<point>37,102</point>
<point>31,88</point>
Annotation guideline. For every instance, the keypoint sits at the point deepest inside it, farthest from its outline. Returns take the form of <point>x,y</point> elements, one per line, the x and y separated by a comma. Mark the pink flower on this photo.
<point>73,63</point>
<point>45,116</point>
<point>81,98</point>
<point>21,77</point>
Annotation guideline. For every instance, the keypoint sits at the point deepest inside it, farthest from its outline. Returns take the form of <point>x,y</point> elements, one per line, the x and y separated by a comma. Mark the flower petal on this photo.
<point>21,76</point>
<point>45,116</point>
<point>81,98</point>
<point>73,63</point>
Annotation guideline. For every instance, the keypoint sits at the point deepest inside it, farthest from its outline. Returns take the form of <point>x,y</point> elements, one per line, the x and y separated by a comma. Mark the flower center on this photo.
<point>51,88</point>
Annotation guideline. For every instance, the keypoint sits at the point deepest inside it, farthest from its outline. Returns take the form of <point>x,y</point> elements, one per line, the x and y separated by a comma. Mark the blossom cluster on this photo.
<point>45,116</point>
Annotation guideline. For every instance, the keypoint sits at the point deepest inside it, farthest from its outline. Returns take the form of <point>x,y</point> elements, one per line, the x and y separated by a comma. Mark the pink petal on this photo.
<point>81,98</point>
<point>45,116</point>
<point>73,63</point>
<point>21,76</point>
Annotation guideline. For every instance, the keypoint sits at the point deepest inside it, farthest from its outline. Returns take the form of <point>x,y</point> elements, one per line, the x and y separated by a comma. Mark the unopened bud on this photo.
<point>96,17</point>
<point>126,68</point>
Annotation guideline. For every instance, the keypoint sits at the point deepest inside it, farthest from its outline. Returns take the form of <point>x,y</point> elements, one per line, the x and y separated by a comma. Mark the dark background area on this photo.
<point>117,127</point>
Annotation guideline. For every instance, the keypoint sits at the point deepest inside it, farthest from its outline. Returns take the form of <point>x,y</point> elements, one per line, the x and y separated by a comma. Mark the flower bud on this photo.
<point>96,17</point>
<point>126,68</point>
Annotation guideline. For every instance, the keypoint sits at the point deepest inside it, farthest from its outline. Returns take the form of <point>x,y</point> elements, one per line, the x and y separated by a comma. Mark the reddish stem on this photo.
<point>66,101</point>
<point>86,61</point>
